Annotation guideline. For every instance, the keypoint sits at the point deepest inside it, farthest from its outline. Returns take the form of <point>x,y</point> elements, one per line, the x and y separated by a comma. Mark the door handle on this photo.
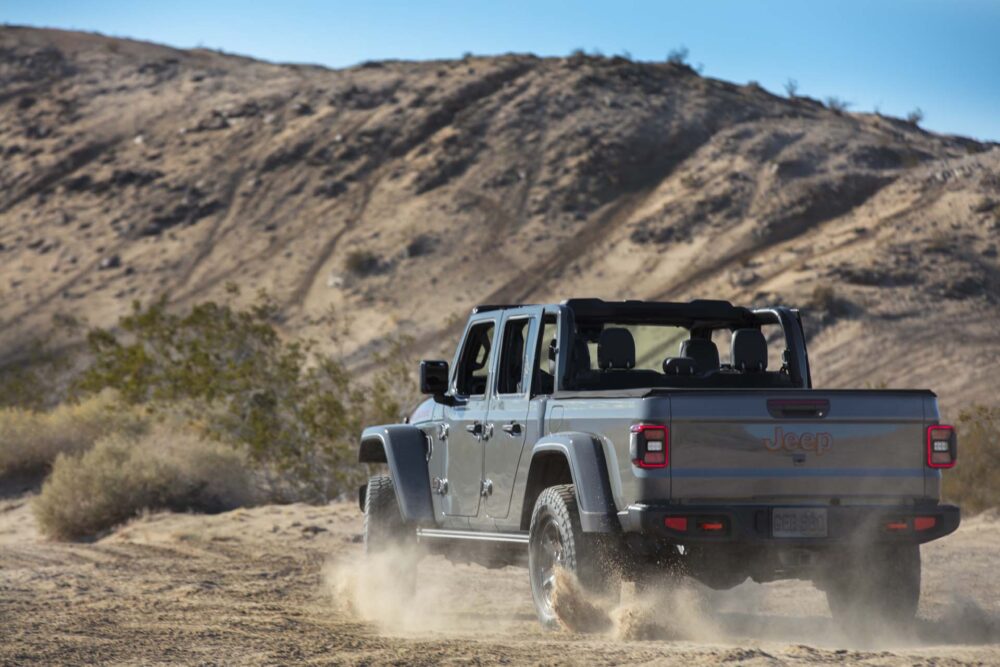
<point>512,429</point>
<point>476,429</point>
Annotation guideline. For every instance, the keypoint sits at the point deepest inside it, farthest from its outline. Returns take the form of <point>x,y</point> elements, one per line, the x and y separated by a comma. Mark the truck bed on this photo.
<point>765,446</point>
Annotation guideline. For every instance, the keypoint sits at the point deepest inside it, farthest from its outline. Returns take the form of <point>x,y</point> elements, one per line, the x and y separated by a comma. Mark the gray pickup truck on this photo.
<point>644,440</point>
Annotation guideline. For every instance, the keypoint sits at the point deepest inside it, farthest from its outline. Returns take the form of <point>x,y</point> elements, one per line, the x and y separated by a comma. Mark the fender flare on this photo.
<point>589,471</point>
<point>404,449</point>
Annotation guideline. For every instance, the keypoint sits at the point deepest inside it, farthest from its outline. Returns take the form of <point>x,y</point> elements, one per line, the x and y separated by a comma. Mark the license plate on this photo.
<point>798,522</point>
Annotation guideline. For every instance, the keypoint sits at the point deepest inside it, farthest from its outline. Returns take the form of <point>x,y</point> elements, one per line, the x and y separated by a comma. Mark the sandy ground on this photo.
<point>286,584</point>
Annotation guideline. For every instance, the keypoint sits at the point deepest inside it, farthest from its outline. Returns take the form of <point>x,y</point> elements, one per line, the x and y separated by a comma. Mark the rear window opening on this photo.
<point>609,355</point>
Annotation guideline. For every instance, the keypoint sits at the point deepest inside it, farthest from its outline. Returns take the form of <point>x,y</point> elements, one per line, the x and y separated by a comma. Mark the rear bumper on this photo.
<point>752,524</point>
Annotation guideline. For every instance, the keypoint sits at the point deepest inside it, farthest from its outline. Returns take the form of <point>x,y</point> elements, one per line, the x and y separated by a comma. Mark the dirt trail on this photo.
<point>260,586</point>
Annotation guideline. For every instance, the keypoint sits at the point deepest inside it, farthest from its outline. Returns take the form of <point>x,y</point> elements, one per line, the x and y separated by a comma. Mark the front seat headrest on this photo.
<point>616,349</point>
<point>703,351</point>
<point>552,356</point>
<point>749,350</point>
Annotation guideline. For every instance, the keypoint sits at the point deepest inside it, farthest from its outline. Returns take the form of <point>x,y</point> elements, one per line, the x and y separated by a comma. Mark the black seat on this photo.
<point>616,350</point>
<point>703,351</point>
<point>748,351</point>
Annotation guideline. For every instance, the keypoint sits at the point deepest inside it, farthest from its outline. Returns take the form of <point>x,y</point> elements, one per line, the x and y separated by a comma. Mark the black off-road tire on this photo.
<point>385,532</point>
<point>875,587</point>
<point>557,518</point>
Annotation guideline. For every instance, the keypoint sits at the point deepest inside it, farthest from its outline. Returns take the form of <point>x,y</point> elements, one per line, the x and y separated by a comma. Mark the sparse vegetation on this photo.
<point>915,117</point>
<point>974,483</point>
<point>940,241</point>
<point>837,104</point>
<point>35,377</point>
<point>791,88</point>
<point>122,476</point>
<point>30,440</point>
<point>825,301</point>
<point>362,262</point>
<point>678,56</point>
<point>294,411</point>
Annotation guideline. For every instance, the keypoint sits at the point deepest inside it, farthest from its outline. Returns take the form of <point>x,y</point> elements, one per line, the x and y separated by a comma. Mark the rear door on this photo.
<point>466,421</point>
<point>860,446</point>
<point>507,420</point>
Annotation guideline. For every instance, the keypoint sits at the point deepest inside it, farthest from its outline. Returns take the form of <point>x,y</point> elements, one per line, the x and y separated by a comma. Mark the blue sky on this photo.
<point>942,56</point>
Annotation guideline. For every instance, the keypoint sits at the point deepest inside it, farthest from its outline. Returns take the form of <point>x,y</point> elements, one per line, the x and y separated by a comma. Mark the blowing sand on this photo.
<point>286,584</point>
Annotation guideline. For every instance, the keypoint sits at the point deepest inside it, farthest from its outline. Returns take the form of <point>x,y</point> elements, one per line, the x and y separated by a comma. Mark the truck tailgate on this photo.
<point>774,446</point>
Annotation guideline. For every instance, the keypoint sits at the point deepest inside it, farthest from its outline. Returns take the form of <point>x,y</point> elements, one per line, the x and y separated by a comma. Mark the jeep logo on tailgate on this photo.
<point>810,442</point>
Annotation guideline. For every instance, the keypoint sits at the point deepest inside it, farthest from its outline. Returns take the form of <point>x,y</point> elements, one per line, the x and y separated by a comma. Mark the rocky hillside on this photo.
<point>392,196</point>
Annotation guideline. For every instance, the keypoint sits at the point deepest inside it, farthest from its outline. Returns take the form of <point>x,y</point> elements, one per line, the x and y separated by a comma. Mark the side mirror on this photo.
<point>434,379</point>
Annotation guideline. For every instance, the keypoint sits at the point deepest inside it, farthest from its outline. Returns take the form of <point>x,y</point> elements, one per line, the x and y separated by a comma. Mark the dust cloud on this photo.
<point>687,611</point>
<point>959,613</point>
<point>379,589</point>
<point>376,589</point>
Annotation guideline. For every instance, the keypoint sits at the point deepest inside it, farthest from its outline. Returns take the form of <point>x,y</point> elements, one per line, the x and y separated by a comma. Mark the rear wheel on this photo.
<point>874,586</point>
<point>556,541</point>
<point>386,535</point>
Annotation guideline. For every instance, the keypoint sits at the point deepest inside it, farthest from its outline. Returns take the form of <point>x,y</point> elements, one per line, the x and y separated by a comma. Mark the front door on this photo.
<point>508,414</point>
<point>467,421</point>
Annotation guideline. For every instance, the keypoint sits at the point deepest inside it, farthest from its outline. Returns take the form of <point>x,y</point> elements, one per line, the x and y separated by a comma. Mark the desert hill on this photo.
<point>392,196</point>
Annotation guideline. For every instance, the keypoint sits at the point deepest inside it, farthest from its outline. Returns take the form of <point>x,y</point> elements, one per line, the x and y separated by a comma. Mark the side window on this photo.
<point>474,365</point>
<point>544,382</point>
<point>512,357</point>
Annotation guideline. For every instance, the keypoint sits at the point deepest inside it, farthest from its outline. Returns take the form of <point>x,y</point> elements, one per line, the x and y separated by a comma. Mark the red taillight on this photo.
<point>678,523</point>
<point>924,522</point>
<point>649,445</point>
<point>942,446</point>
<point>896,525</point>
<point>711,525</point>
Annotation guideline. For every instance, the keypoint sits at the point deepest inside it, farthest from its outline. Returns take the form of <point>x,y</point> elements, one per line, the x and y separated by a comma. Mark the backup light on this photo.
<point>942,446</point>
<point>649,445</point>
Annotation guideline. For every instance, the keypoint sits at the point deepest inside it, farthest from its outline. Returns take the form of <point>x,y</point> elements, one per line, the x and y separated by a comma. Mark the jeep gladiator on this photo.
<point>644,440</point>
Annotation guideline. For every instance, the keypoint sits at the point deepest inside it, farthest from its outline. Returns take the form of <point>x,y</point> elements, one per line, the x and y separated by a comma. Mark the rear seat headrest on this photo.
<point>679,366</point>
<point>703,351</point>
<point>616,349</point>
<point>749,350</point>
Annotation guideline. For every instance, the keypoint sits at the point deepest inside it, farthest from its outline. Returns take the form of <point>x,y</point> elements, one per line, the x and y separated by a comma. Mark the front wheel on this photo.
<point>875,585</point>
<point>556,541</point>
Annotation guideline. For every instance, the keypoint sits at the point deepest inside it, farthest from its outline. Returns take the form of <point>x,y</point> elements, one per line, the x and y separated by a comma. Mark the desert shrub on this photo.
<point>837,104</point>
<point>30,440</point>
<point>34,374</point>
<point>678,56</point>
<point>168,468</point>
<point>294,410</point>
<point>915,117</point>
<point>791,88</point>
<point>362,263</point>
<point>825,302</point>
<point>974,482</point>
